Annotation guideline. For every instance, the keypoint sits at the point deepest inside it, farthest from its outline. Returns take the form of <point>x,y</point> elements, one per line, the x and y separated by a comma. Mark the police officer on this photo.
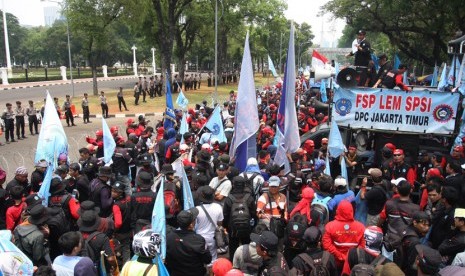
<point>85,108</point>
<point>8,118</point>
<point>31,112</point>
<point>19,115</point>
<point>362,52</point>
<point>68,113</point>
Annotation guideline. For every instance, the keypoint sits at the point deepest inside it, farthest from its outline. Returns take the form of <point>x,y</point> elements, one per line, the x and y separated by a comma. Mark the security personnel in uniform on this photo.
<point>19,115</point>
<point>8,118</point>
<point>67,109</point>
<point>31,113</point>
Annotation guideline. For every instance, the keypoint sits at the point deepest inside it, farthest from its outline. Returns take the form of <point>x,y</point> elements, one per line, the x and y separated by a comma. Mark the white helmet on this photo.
<point>146,243</point>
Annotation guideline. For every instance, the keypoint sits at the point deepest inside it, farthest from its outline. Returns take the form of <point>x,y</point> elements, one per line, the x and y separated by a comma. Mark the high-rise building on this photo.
<point>51,14</point>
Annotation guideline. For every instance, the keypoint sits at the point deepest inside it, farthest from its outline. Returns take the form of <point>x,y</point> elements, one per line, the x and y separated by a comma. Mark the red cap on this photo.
<point>129,121</point>
<point>390,146</point>
<point>311,110</point>
<point>221,266</point>
<point>99,132</point>
<point>309,143</point>
<point>399,151</point>
<point>272,106</point>
<point>434,172</point>
<point>113,129</point>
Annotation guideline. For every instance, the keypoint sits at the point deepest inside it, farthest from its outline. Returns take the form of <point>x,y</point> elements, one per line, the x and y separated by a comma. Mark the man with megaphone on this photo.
<point>361,49</point>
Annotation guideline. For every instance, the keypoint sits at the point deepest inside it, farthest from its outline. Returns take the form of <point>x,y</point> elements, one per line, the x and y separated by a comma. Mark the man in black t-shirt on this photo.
<point>375,197</point>
<point>362,52</point>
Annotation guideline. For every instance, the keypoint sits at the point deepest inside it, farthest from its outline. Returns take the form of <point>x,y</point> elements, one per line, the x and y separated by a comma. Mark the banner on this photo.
<point>418,111</point>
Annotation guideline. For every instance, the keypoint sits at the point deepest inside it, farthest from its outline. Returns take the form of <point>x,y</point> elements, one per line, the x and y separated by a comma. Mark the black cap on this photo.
<point>363,32</point>
<point>38,214</point>
<point>429,259</point>
<point>86,206</point>
<point>32,200</point>
<point>222,167</point>
<point>61,169</point>
<point>186,217</point>
<point>383,55</point>
<point>144,178</point>
<point>118,186</point>
<point>437,155</point>
<point>312,235</point>
<point>75,167</point>
<point>268,240</point>
<point>420,216</point>
<point>422,153</point>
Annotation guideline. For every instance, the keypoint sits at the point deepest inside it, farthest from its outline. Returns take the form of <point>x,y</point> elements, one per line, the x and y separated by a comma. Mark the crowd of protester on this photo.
<point>404,218</point>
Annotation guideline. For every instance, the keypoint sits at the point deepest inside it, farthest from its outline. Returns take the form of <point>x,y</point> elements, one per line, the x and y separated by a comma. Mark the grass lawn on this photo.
<point>158,104</point>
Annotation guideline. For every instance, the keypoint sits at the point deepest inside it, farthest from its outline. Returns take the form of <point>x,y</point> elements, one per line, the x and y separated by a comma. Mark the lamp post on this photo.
<point>153,62</point>
<point>65,6</point>
<point>215,96</point>
<point>7,43</point>
<point>134,63</point>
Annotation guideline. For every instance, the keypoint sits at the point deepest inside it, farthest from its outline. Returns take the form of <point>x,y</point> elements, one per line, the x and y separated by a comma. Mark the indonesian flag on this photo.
<point>318,60</point>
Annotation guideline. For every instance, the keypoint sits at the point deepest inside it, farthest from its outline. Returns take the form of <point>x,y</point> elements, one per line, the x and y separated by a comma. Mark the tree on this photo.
<point>90,20</point>
<point>419,29</point>
<point>16,35</point>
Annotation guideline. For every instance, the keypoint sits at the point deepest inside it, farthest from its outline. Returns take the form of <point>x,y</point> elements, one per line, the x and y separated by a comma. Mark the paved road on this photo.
<point>22,153</point>
<point>60,90</point>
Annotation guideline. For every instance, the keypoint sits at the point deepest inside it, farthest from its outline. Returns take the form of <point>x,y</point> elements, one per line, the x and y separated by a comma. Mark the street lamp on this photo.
<point>153,62</point>
<point>64,5</point>
<point>215,96</point>
<point>7,43</point>
<point>134,63</point>
<point>300,46</point>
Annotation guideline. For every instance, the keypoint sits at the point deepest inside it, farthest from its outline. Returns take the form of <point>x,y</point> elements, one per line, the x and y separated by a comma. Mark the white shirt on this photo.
<point>203,225</point>
<point>64,265</point>
<point>223,188</point>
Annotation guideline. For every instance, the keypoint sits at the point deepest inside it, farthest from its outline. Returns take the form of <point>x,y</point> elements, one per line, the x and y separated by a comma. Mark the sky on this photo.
<point>30,12</point>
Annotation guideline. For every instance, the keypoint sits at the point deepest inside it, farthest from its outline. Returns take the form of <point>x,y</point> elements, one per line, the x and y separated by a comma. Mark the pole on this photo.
<point>215,96</point>
<point>153,61</point>
<point>134,63</point>
<point>69,50</point>
<point>280,51</point>
<point>7,43</point>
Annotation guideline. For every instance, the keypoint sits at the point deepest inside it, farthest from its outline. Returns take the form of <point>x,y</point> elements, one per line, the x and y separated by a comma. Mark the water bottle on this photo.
<point>252,222</point>
<point>74,193</point>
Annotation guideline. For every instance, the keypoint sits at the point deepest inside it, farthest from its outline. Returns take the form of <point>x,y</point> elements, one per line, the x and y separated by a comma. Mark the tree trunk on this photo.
<point>94,80</point>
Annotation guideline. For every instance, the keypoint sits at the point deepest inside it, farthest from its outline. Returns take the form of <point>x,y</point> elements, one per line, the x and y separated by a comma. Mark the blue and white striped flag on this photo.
<point>159,218</point>
<point>109,143</point>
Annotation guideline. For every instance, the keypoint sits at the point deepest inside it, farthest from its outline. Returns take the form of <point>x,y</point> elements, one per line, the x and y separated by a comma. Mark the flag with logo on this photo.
<point>188,199</point>
<point>159,218</point>
<point>182,101</point>
<point>169,117</point>
<point>271,67</point>
<point>453,73</point>
<point>288,132</point>
<point>44,191</point>
<point>14,261</point>
<point>52,139</point>
<point>215,125</point>
<point>246,122</point>
<point>109,143</point>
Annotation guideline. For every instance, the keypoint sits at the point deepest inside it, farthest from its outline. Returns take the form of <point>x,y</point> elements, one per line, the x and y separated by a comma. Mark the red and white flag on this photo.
<point>318,60</point>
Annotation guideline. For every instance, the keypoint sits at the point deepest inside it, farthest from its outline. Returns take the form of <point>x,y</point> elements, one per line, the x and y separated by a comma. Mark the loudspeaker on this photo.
<point>322,74</point>
<point>347,78</point>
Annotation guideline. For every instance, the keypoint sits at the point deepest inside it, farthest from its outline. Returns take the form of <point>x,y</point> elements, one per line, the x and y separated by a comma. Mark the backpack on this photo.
<point>247,265</point>
<point>240,216</point>
<point>87,248</point>
<point>249,184</point>
<point>320,206</point>
<point>364,269</point>
<point>313,267</point>
<point>59,222</point>
<point>171,201</point>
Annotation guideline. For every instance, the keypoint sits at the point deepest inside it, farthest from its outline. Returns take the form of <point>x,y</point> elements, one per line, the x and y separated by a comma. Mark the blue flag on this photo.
<point>434,79</point>
<point>324,97</point>
<point>215,125</point>
<point>186,192</point>
<point>271,67</point>
<point>182,101</point>
<point>109,144</point>
<point>452,77</point>
<point>183,128</point>
<point>336,69</point>
<point>169,118</point>
<point>288,131</point>
<point>14,261</point>
<point>375,62</point>
<point>396,62</point>
<point>162,271</point>
<point>52,139</point>
<point>327,168</point>
<point>246,121</point>
<point>335,144</point>
<point>344,169</point>
<point>44,191</point>
<point>443,80</point>
<point>159,219</point>
<point>405,79</point>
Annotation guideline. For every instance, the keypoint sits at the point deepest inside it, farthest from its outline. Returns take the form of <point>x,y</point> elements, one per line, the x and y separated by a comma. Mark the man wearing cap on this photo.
<point>272,203</point>
<point>81,182</point>
<point>20,112</point>
<point>312,238</point>
<point>142,202</point>
<point>252,175</point>
<point>122,159</point>
<point>342,193</point>
<point>206,197</point>
<point>362,51</point>
<point>375,197</point>
<point>100,192</point>
<point>410,237</point>
<point>20,179</point>
<point>401,168</point>
<point>384,67</point>
<point>172,186</point>
<point>67,110</point>
<point>428,260</point>
<point>31,113</point>
<point>88,163</point>
<point>267,248</point>
<point>30,236</point>
<point>186,252</point>
<point>450,247</point>
<point>122,217</point>
<point>422,166</point>
<point>221,184</point>
<point>8,117</point>
<point>37,176</point>
<point>60,197</point>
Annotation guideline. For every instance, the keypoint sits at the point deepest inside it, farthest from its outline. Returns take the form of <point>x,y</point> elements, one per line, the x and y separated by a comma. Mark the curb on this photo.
<point>51,83</point>
<point>121,115</point>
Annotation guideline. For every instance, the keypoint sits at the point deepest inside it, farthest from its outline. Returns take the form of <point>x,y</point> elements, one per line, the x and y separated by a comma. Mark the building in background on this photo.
<point>51,14</point>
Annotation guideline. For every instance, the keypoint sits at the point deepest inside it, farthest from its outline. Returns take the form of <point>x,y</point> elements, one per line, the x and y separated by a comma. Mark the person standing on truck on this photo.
<point>362,51</point>
<point>395,78</point>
